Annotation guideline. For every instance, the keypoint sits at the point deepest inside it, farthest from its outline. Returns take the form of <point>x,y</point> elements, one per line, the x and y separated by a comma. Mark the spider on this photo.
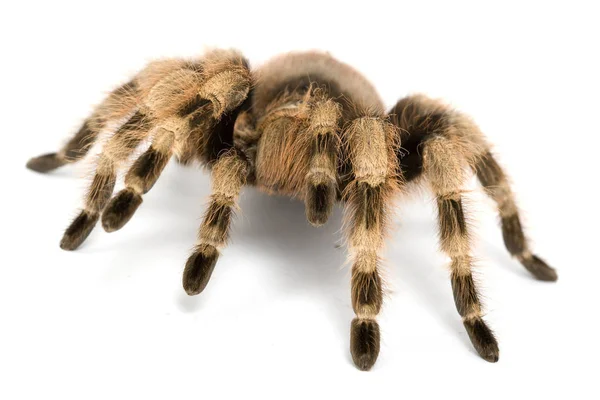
<point>308,126</point>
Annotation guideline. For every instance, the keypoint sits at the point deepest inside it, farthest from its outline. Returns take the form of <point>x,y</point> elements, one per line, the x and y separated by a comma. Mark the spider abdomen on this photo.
<point>295,71</point>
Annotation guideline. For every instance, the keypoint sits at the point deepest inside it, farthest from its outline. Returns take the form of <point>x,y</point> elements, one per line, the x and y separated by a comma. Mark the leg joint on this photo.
<point>367,293</point>
<point>324,116</point>
<point>465,296</point>
<point>370,145</point>
<point>229,174</point>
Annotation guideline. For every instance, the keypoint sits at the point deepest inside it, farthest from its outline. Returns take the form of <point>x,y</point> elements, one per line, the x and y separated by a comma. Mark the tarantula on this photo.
<point>308,126</point>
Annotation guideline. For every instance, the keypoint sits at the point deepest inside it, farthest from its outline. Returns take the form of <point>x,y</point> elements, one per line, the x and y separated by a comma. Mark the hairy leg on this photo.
<point>497,187</point>
<point>192,105</point>
<point>120,146</point>
<point>321,181</point>
<point>444,163</point>
<point>228,176</point>
<point>370,145</point>
<point>420,118</point>
<point>197,111</point>
<point>117,105</point>
<point>200,127</point>
<point>140,178</point>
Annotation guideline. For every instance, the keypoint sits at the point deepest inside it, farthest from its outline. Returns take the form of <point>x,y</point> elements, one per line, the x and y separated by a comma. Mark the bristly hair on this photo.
<point>304,125</point>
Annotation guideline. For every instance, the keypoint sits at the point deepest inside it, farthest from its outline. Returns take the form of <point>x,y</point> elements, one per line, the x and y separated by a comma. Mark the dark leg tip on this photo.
<point>483,339</point>
<point>45,163</point>
<point>67,244</point>
<point>539,269</point>
<point>120,210</point>
<point>199,268</point>
<point>78,231</point>
<point>319,203</point>
<point>364,343</point>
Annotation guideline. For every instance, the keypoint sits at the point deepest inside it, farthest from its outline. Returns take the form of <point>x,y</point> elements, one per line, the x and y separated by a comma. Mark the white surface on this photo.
<point>111,319</point>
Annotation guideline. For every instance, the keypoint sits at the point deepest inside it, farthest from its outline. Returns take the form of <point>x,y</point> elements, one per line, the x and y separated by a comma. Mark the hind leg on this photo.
<point>444,167</point>
<point>497,187</point>
<point>117,105</point>
<point>421,118</point>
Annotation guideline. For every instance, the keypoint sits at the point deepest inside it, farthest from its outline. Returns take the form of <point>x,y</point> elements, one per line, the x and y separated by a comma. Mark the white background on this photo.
<point>111,320</point>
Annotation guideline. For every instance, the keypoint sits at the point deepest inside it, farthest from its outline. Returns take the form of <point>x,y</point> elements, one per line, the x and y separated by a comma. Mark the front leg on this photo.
<point>228,176</point>
<point>321,182</point>
<point>370,144</point>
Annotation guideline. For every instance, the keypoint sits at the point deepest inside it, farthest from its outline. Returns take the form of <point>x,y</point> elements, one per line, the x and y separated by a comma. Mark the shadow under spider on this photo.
<point>312,262</point>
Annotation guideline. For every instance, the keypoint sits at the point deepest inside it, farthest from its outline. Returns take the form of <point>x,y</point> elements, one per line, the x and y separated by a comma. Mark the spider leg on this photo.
<point>370,144</point>
<point>119,103</point>
<point>444,168</point>
<point>195,114</point>
<point>119,147</point>
<point>190,105</point>
<point>496,185</point>
<point>321,182</point>
<point>228,176</point>
<point>140,178</point>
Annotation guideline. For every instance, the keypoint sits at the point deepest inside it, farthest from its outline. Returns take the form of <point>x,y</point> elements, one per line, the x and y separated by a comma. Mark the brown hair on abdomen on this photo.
<point>298,70</point>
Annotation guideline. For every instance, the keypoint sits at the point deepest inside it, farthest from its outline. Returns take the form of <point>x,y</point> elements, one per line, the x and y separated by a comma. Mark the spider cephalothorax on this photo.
<point>308,126</point>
